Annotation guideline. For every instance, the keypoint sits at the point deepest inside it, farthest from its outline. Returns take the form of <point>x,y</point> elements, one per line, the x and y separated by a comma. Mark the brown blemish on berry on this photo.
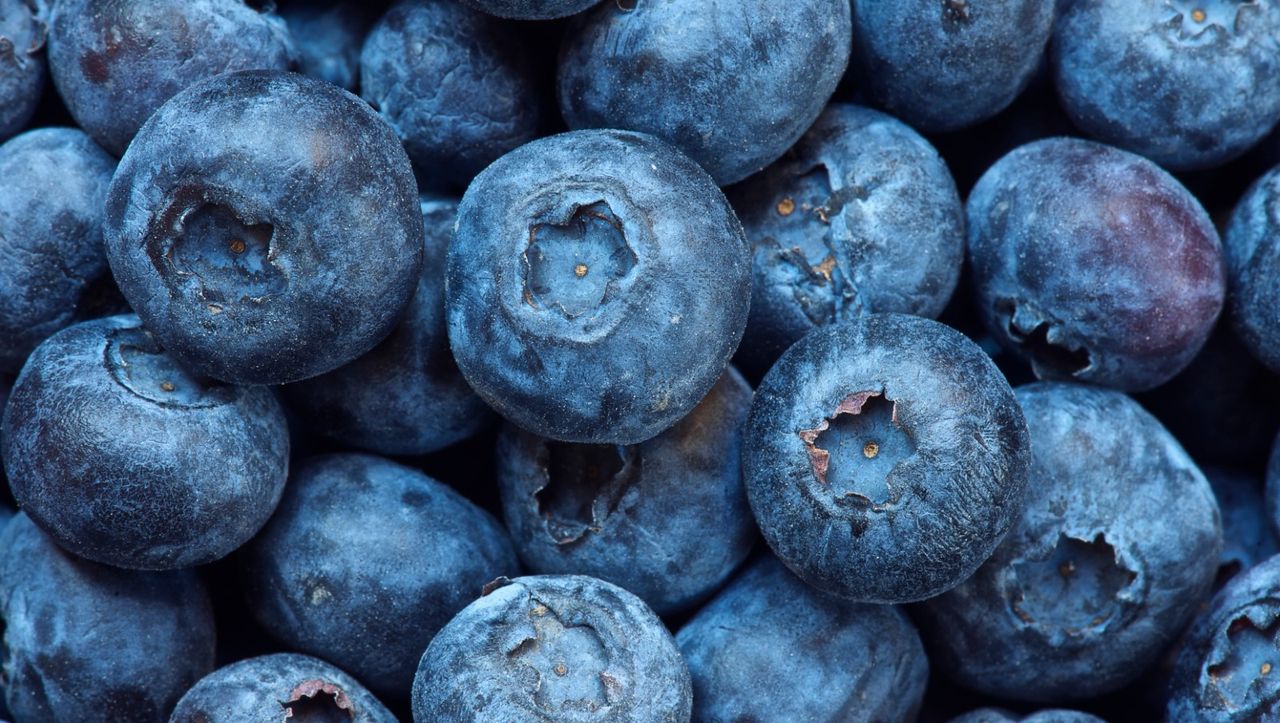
<point>168,386</point>
<point>237,246</point>
<point>580,270</point>
<point>1198,15</point>
<point>786,206</point>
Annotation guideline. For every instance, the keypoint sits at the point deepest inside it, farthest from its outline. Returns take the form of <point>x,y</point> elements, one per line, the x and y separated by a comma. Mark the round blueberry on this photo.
<point>328,35</point>
<point>86,642</point>
<point>532,9</point>
<point>598,282</point>
<point>266,227</point>
<point>407,395</point>
<point>125,458</point>
<point>283,686</point>
<point>666,519</point>
<point>1093,263</point>
<point>378,551</point>
<point>1116,547</point>
<point>1252,251</point>
<point>51,257</point>
<point>769,648</point>
<point>732,83</point>
<point>1187,83</point>
<point>22,63</point>
<point>885,458</point>
<point>861,214</point>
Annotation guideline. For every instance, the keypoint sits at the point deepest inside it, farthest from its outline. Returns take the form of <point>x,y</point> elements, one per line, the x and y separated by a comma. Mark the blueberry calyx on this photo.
<point>318,701</point>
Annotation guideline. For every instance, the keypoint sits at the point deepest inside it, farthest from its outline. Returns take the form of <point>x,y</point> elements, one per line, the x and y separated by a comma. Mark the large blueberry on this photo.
<point>407,395</point>
<point>1115,549</point>
<point>944,65</point>
<point>86,642</point>
<point>598,282</point>
<point>860,215</point>
<point>328,35</point>
<point>266,227</point>
<point>454,83</point>
<point>1252,251</point>
<point>532,9</point>
<point>280,687</point>
<point>378,551</point>
<point>1187,83</point>
<point>22,63</point>
<point>885,458</point>
<point>732,83</point>
<point>769,648</point>
<point>127,459</point>
<point>666,519</point>
<point>996,715</point>
<point>1093,263</point>
<point>51,259</point>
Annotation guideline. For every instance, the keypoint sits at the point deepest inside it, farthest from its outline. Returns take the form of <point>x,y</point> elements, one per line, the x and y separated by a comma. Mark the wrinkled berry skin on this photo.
<point>376,551</point>
<point>1251,246</point>
<point>1225,671</point>
<point>598,283</point>
<point>86,642</point>
<point>768,636</point>
<point>115,62</point>
<point>407,395</point>
<point>553,647</point>
<point>328,35</point>
<point>885,458</point>
<point>284,244</point>
<point>1116,547</point>
<point>731,83</point>
<point>55,182</point>
<point>532,9</point>
<point>1093,263</point>
<point>1187,84</point>
<point>995,715</point>
<point>860,215</point>
<point>454,83</point>
<point>942,66</point>
<point>282,686</point>
<point>22,63</point>
<point>125,459</point>
<point>666,519</point>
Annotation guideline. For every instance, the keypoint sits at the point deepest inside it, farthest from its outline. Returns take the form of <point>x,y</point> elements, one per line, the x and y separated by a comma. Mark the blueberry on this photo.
<point>1248,531</point>
<point>454,83</point>
<point>407,395</point>
<point>551,647</point>
<point>85,642</point>
<point>1252,253</point>
<point>116,61</point>
<point>328,35</point>
<point>732,83</point>
<point>666,519</point>
<point>1187,83</point>
<point>378,551</point>
<point>771,648</point>
<point>598,282</point>
<point>861,214</point>
<point>941,66</point>
<point>22,63</point>
<point>266,227</point>
<point>51,257</point>
<point>996,715</point>
<point>283,686</point>
<point>534,9</point>
<point>885,458</point>
<point>1117,545</point>
<point>1093,263</point>
<point>127,459</point>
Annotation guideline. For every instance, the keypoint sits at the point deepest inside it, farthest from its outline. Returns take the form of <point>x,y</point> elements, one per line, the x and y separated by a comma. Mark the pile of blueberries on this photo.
<point>646,361</point>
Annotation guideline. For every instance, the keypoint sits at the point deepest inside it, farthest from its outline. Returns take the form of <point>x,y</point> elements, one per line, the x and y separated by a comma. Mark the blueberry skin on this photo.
<point>1116,547</point>
<point>553,647</point>
<point>1093,263</point>
<point>598,283</point>
<point>995,715</point>
<point>115,62</point>
<point>268,688</point>
<point>406,396</point>
<point>22,63</point>
<point>943,66</point>
<point>861,214</point>
<point>378,551</point>
<point>1248,530</point>
<point>731,83</point>
<point>328,36</point>
<point>126,459</point>
<point>532,9</point>
<point>1224,670</point>
<point>266,227</point>
<point>1158,78</point>
<point>51,252</point>
<point>454,83</point>
<point>885,458</point>
<point>86,642</point>
<point>666,519</point>
<point>1251,247</point>
<point>771,648</point>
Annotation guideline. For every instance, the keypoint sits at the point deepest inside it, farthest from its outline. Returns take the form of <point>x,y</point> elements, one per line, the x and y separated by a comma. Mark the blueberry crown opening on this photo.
<point>1245,672</point>
<point>318,701</point>
<point>574,267</point>
<point>139,363</point>
<point>569,661</point>
<point>854,451</point>
<point>1074,590</point>
<point>584,485</point>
